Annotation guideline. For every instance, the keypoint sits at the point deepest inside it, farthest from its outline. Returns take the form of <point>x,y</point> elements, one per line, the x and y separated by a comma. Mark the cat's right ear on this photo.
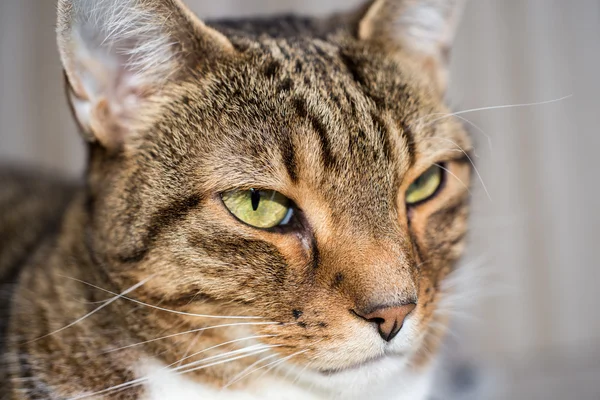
<point>117,54</point>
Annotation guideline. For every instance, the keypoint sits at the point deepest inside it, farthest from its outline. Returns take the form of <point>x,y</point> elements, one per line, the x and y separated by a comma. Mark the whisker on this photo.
<point>189,348</point>
<point>265,366</point>
<point>217,346</point>
<point>160,308</point>
<point>278,363</point>
<point>540,103</point>
<point>224,355</point>
<point>470,160</point>
<point>241,374</point>
<point>448,115</point>
<point>188,332</point>
<point>122,386</point>
<point>105,304</point>
<point>299,374</point>
<point>224,361</point>
<point>478,129</point>
<point>140,381</point>
<point>454,175</point>
<point>457,113</point>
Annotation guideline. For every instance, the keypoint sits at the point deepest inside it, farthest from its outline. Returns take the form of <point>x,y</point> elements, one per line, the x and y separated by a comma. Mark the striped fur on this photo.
<point>339,121</point>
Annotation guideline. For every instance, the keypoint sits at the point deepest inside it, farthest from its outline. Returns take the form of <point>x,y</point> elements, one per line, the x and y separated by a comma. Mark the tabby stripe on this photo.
<point>300,106</point>
<point>446,216</point>
<point>384,136</point>
<point>353,68</point>
<point>241,253</point>
<point>417,247</point>
<point>288,155</point>
<point>409,138</point>
<point>272,69</point>
<point>316,255</point>
<point>458,239</point>
<point>327,157</point>
<point>286,85</point>
<point>161,220</point>
<point>406,133</point>
<point>182,300</point>
<point>26,376</point>
<point>32,383</point>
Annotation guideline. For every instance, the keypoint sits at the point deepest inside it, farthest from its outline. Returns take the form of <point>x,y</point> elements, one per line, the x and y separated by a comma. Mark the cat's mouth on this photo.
<point>369,362</point>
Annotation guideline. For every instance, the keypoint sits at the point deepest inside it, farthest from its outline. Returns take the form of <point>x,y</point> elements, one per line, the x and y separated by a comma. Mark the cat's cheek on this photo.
<point>438,229</point>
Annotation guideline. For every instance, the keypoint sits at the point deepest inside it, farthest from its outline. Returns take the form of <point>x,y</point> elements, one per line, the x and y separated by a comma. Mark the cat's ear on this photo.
<point>117,53</point>
<point>422,29</point>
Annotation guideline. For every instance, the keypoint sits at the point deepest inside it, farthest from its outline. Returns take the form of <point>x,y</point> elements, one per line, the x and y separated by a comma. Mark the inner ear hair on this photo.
<point>116,53</point>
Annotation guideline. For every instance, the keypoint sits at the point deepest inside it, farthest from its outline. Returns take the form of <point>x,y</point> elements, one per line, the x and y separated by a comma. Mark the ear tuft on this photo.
<point>423,29</point>
<point>130,34</point>
<point>117,52</point>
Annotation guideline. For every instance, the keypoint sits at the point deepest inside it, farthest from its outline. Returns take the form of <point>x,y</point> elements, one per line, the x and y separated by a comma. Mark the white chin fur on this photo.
<point>385,379</point>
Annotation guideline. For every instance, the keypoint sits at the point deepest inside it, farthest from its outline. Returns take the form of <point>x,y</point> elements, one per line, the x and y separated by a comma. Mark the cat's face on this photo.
<point>338,126</point>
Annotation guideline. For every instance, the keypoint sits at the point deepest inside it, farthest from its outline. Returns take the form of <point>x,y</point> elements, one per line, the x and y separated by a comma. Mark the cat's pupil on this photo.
<point>254,198</point>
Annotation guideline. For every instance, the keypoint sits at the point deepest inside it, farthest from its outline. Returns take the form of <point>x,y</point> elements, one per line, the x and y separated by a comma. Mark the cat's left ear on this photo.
<point>421,29</point>
<point>119,53</point>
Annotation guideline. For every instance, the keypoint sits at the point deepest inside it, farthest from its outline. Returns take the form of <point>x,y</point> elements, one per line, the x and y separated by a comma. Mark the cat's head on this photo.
<point>309,175</point>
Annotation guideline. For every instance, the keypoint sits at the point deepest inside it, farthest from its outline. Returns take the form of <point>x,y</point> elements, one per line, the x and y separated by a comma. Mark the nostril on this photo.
<point>378,321</point>
<point>388,319</point>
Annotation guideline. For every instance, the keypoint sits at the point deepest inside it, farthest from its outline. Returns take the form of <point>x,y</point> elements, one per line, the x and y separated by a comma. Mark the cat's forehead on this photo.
<point>346,94</point>
<point>327,115</point>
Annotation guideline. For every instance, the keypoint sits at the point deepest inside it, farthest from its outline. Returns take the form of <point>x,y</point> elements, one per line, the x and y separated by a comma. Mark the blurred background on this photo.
<point>529,327</point>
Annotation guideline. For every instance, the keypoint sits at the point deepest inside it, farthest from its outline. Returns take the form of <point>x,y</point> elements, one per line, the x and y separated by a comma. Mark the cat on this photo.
<point>270,209</point>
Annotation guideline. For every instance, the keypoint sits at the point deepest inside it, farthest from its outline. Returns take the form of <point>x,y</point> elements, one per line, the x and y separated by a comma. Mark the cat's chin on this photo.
<point>373,371</point>
<point>365,365</point>
<point>384,378</point>
<point>378,377</point>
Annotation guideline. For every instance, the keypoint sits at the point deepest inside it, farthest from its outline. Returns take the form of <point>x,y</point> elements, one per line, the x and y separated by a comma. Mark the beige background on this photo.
<point>535,330</point>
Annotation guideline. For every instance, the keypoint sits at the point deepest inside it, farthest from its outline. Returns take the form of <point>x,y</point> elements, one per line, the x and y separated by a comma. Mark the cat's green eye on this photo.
<point>259,208</point>
<point>424,186</point>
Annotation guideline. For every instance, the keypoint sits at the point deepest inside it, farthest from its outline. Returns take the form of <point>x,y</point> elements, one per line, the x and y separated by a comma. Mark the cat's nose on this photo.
<point>389,320</point>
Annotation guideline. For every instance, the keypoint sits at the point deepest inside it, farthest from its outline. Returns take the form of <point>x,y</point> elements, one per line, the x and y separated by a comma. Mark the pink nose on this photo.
<point>389,320</point>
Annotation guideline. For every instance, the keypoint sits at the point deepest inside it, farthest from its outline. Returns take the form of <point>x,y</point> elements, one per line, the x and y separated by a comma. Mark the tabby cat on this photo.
<point>270,211</point>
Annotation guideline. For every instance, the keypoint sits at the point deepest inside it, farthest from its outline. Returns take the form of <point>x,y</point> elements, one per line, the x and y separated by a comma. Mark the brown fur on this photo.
<point>339,125</point>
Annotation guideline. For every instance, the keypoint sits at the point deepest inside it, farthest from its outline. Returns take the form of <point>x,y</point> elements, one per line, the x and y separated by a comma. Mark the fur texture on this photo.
<point>147,286</point>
